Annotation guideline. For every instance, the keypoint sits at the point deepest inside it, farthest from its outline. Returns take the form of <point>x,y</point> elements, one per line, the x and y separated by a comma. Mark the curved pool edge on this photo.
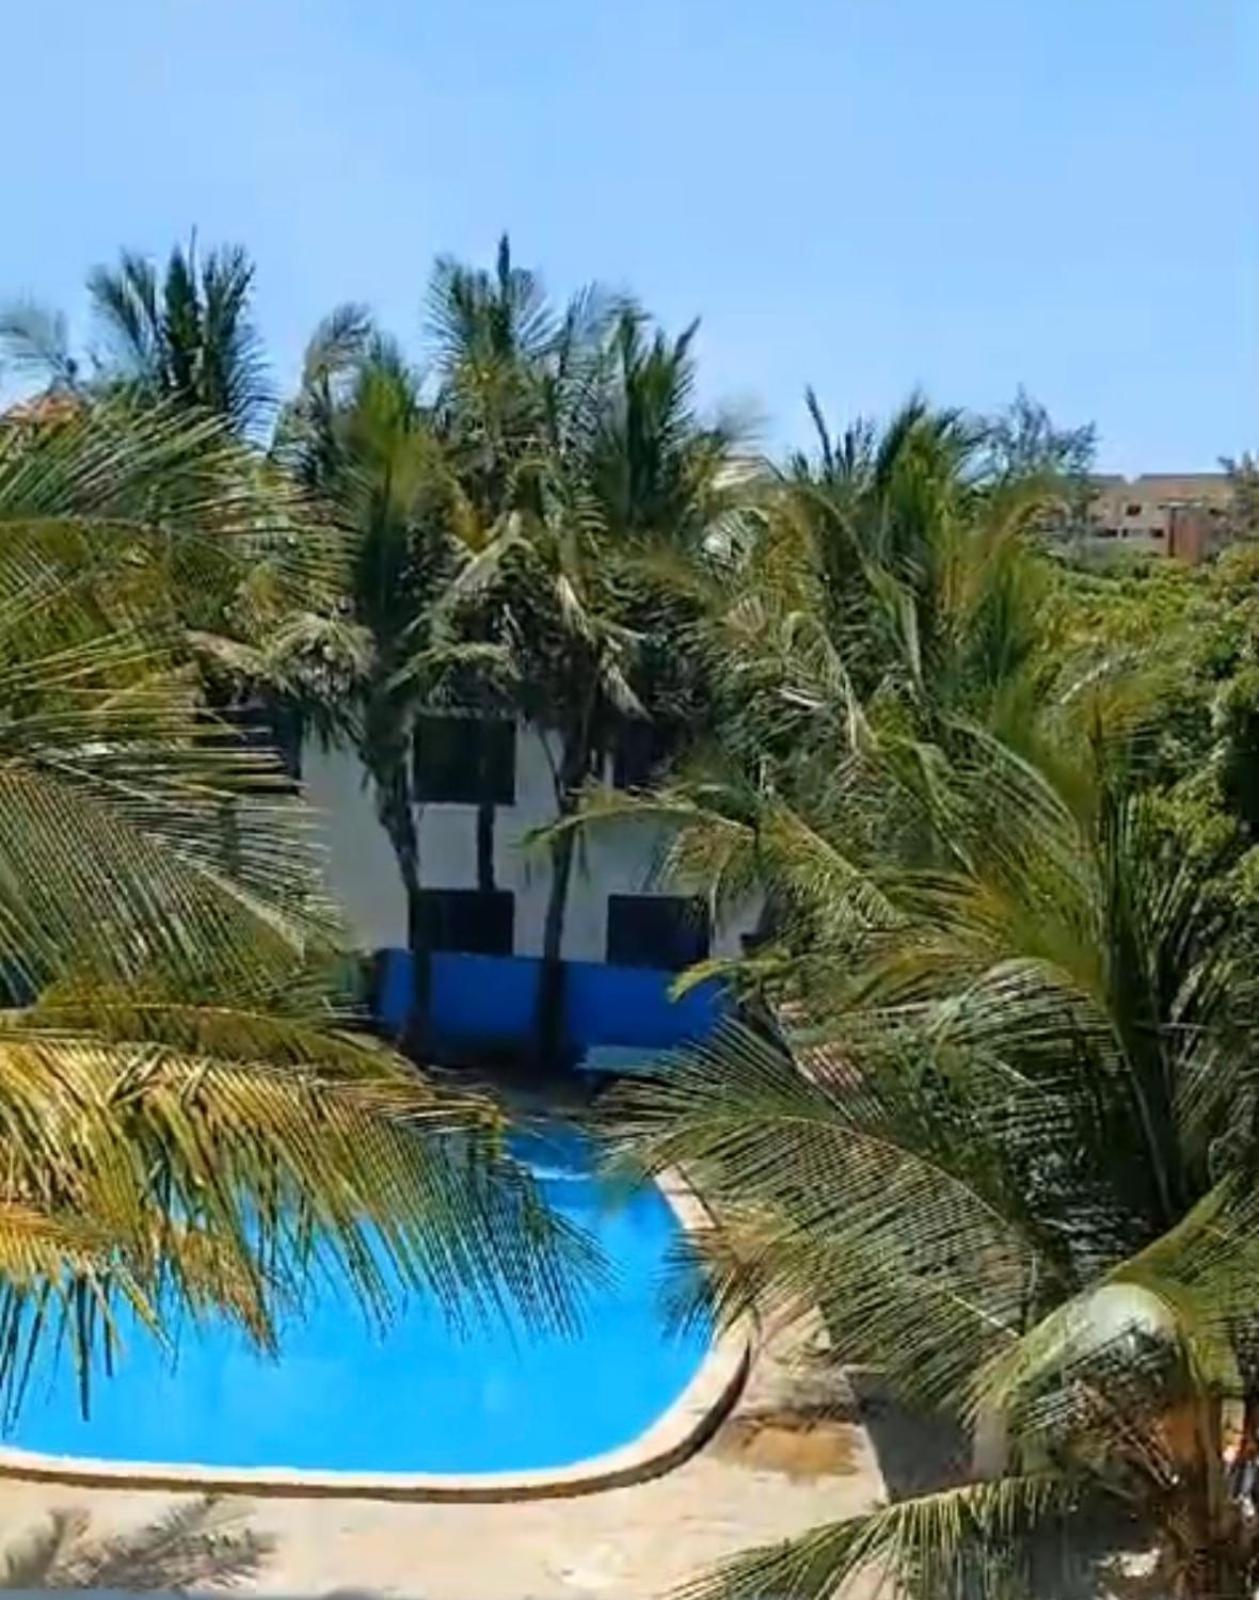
<point>677,1434</point>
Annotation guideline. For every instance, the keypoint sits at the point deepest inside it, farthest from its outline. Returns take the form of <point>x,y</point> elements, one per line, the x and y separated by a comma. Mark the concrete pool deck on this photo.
<point>773,1469</point>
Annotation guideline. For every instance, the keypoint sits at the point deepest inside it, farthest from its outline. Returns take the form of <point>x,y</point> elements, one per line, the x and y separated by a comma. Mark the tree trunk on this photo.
<point>990,1444</point>
<point>1220,1570</point>
<point>550,1029</point>
<point>550,1040</point>
<point>397,813</point>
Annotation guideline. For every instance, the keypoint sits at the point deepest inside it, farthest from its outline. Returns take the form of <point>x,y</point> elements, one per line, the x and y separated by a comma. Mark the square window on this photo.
<point>642,749</point>
<point>465,760</point>
<point>1132,509</point>
<point>475,921</point>
<point>664,931</point>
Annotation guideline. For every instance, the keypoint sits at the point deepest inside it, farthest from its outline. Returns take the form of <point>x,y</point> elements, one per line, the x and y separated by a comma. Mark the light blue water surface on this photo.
<point>419,1397</point>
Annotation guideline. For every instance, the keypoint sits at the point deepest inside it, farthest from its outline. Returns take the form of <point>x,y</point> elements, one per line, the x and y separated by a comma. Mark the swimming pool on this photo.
<point>418,1398</point>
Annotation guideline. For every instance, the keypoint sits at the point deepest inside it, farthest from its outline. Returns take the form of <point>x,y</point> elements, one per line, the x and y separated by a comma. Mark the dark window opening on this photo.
<point>666,931</point>
<point>286,729</point>
<point>1132,509</point>
<point>474,921</point>
<point>465,761</point>
<point>268,730</point>
<point>642,750</point>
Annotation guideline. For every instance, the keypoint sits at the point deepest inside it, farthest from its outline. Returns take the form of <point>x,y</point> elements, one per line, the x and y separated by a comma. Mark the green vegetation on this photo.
<point>181,1111</point>
<point>1002,816</point>
<point>993,1113</point>
<point>510,513</point>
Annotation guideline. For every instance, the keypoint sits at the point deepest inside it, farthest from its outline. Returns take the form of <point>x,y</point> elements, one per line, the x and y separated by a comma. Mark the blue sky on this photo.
<point>865,194</point>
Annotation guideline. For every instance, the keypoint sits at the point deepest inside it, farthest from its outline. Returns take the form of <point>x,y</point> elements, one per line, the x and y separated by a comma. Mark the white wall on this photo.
<point>361,871</point>
<point>363,875</point>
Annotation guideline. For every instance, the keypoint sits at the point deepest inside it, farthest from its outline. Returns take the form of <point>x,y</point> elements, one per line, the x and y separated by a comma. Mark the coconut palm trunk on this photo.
<point>573,767</point>
<point>396,804</point>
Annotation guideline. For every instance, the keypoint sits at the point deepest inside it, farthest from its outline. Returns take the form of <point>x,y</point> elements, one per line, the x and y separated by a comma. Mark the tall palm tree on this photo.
<point>1005,1140</point>
<point>182,1111</point>
<point>513,504</point>
<point>361,434</point>
<point>870,601</point>
<point>1014,1165</point>
<point>184,336</point>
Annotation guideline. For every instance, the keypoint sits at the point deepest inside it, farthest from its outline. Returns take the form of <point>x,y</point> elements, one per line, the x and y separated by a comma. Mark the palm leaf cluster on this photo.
<point>184,336</point>
<point>510,503</point>
<point>998,1123</point>
<point>186,1123</point>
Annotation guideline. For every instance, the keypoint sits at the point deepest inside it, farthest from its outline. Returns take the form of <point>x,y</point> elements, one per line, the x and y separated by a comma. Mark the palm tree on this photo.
<point>361,434</point>
<point>1005,1141</point>
<point>1015,1167</point>
<point>602,473</point>
<point>508,513</point>
<point>185,336</point>
<point>182,1110</point>
<point>866,602</point>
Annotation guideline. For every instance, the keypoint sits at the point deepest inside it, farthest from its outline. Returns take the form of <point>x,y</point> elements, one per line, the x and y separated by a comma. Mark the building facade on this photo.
<point>484,787</point>
<point>1182,515</point>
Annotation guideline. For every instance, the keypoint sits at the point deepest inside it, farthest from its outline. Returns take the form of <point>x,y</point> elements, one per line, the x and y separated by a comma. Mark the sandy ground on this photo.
<point>777,1467</point>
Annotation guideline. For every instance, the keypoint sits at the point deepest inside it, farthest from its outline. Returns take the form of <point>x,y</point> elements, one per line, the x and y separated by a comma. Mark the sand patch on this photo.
<point>798,1444</point>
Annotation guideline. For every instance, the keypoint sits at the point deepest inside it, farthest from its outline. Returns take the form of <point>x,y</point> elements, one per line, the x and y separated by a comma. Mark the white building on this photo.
<point>484,787</point>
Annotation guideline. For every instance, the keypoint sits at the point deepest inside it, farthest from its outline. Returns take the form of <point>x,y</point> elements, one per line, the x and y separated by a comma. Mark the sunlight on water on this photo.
<point>418,1397</point>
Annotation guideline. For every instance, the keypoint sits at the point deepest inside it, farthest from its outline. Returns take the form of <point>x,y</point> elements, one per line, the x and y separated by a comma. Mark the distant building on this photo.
<point>1185,515</point>
<point>50,407</point>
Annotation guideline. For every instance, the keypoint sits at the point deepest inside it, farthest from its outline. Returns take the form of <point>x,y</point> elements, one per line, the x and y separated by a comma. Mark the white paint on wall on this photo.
<point>363,875</point>
<point>361,870</point>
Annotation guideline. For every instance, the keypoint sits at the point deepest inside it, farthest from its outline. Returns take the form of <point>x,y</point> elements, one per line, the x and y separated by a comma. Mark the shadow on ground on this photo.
<point>916,1451</point>
<point>198,1544</point>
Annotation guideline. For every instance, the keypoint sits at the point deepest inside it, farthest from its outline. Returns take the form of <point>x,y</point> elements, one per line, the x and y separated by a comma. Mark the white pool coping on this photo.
<point>676,1434</point>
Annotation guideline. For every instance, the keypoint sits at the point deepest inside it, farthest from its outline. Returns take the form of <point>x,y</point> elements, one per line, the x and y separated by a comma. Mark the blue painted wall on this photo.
<point>482,1002</point>
<point>491,1003</point>
<point>392,999</point>
<point>631,1005</point>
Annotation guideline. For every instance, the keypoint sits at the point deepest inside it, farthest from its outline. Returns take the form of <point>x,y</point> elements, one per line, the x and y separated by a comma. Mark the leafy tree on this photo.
<point>184,336</point>
<point>570,583</point>
<point>1012,1161</point>
<point>999,1126</point>
<point>1023,441</point>
<point>1243,472</point>
<point>886,594</point>
<point>361,433</point>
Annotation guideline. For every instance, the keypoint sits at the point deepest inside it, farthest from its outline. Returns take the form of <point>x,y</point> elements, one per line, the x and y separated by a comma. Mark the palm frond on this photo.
<point>938,1544</point>
<point>35,341</point>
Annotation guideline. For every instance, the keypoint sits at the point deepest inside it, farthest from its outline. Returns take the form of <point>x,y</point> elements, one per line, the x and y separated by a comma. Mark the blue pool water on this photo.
<point>418,1397</point>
